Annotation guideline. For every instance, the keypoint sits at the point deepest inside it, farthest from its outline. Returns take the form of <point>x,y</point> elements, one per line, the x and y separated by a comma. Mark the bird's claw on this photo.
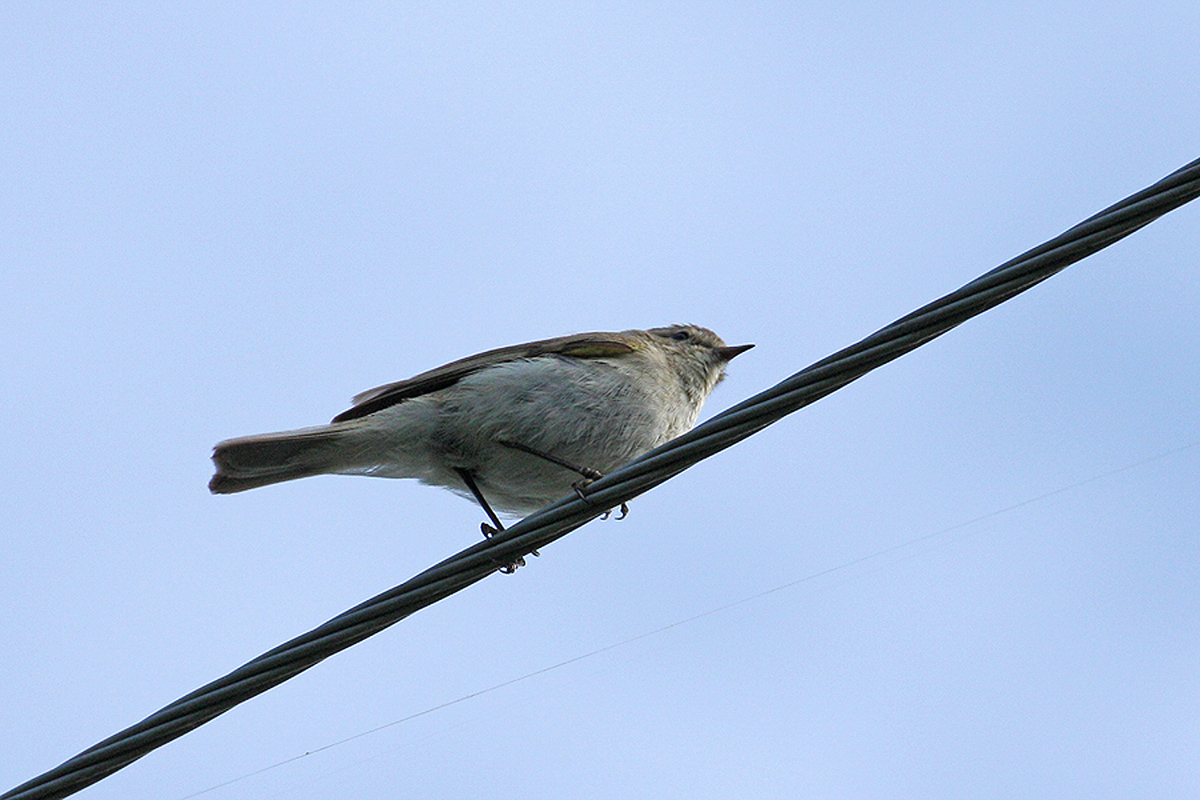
<point>579,486</point>
<point>508,569</point>
<point>624,512</point>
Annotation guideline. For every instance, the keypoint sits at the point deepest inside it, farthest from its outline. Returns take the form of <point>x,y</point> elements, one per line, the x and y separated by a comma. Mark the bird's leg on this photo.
<point>488,531</point>
<point>469,479</point>
<point>588,474</point>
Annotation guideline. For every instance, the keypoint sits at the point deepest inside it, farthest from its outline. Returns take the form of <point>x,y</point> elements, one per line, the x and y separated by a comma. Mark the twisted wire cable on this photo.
<point>557,520</point>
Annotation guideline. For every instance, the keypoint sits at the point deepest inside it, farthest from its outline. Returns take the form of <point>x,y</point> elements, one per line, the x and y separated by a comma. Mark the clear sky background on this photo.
<point>227,218</point>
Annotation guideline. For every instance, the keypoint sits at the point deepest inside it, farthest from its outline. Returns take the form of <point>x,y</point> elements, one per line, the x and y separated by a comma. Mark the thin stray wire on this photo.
<point>812,576</point>
<point>661,464</point>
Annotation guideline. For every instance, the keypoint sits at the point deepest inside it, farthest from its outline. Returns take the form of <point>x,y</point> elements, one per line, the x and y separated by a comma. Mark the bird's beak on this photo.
<point>728,353</point>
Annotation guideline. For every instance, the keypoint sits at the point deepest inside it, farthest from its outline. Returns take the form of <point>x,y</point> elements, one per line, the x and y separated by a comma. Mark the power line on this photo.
<point>659,465</point>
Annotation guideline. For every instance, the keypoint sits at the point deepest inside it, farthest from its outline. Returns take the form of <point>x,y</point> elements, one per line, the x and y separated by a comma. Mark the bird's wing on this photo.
<point>579,345</point>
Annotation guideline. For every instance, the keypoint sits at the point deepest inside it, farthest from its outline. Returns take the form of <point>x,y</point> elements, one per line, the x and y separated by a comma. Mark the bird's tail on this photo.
<point>252,461</point>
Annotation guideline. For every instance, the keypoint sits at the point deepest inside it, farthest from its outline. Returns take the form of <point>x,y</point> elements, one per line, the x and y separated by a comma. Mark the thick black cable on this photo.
<point>655,467</point>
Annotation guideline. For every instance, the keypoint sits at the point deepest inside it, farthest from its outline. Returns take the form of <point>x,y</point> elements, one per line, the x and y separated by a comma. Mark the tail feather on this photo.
<point>252,461</point>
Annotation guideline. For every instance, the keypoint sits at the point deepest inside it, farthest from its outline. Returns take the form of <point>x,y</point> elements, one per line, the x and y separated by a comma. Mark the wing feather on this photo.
<point>579,345</point>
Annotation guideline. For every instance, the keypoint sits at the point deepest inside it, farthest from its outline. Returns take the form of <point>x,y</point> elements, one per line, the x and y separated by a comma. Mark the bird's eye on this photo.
<point>681,336</point>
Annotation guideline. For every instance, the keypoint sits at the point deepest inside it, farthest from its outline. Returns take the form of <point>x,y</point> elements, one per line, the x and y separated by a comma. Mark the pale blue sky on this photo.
<point>226,218</point>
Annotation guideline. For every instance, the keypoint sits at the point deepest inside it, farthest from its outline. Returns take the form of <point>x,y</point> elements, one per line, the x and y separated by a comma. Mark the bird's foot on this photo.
<point>508,569</point>
<point>579,487</point>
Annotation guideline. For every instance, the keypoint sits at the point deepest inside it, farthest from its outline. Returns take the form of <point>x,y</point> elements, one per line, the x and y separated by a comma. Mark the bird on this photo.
<point>513,429</point>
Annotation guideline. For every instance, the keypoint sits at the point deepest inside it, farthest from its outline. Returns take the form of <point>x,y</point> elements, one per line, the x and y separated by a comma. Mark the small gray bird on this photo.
<point>515,428</point>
